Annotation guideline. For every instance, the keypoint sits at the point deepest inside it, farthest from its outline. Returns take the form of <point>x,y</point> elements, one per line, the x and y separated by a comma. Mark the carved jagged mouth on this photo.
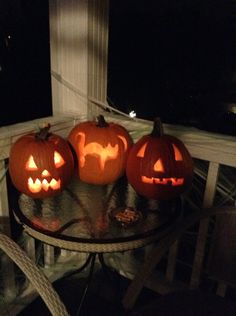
<point>37,185</point>
<point>163,181</point>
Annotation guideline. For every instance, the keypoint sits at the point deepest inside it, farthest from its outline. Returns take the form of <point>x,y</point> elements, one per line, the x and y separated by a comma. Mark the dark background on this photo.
<point>24,61</point>
<point>174,59</point>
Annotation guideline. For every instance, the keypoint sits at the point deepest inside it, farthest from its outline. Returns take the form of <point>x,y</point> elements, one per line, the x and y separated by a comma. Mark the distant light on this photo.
<point>9,36</point>
<point>231,107</point>
<point>132,114</point>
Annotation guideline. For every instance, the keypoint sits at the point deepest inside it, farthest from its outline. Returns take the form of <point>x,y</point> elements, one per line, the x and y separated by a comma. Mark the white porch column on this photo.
<point>79,53</point>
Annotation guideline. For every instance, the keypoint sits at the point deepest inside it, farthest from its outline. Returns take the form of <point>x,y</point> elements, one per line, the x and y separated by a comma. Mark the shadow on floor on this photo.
<point>103,297</point>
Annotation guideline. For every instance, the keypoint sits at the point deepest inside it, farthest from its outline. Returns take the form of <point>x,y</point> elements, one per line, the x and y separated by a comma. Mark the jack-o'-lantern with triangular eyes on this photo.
<point>41,164</point>
<point>159,166</point>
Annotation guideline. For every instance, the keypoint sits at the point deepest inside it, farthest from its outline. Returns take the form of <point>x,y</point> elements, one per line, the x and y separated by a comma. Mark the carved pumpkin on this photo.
<point>101,149</point>
<point>159,166</point>
<point>41,164</point>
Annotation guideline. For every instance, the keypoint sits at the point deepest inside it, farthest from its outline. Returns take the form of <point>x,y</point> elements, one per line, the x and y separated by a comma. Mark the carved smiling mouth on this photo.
<point>163,181</point>
<point>37,185</point>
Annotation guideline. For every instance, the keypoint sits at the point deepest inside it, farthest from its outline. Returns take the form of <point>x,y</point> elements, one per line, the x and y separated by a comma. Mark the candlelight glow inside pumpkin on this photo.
<point>45,166</point>
<point>159,166</point>
<point>102,153</point>
<point>101,149</point>
<point>38,185</point>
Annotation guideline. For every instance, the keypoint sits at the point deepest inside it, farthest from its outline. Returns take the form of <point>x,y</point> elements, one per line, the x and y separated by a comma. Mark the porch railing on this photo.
<point>216,151</point>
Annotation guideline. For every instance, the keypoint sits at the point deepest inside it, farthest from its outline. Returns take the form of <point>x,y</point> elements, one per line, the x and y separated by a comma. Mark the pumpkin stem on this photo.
<point>101,121</point>
<point>157,130</point>
<point>43,132</point>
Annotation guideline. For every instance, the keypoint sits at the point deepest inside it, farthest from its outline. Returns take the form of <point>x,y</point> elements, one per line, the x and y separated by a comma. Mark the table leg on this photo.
<point>105,269</point>
<point>93,257</point>
<point>113,277</point>
<point>80,269</point>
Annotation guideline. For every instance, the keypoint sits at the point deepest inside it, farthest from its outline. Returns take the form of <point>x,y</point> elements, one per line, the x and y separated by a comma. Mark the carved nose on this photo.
<point>158,166</point>
<point>45,173</point>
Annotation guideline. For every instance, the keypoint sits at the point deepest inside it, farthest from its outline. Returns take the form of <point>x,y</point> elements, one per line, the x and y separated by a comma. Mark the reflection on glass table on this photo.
<point>86,216</point>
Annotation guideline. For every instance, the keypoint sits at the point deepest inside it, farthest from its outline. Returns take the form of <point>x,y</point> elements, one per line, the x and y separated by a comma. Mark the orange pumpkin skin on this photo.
<point>40,168</point>
<point>159,167</point>
<point>101,149</point>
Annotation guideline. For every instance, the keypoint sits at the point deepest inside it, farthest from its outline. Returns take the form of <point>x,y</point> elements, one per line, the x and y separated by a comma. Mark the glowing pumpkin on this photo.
<point>41,164</point>
<point>159,166</point>
<point>101,149</point>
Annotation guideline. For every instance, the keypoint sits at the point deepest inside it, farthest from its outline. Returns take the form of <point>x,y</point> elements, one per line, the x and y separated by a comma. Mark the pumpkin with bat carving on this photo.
<point>41,164</point>
<point>159,166</point>
<point>101,149</point>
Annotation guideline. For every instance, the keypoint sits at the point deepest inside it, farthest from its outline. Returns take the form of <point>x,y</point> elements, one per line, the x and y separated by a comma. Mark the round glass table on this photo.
<point>98,218</point>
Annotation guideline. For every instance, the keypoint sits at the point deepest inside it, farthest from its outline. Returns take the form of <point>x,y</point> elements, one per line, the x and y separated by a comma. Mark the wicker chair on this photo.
<point>35,276</point>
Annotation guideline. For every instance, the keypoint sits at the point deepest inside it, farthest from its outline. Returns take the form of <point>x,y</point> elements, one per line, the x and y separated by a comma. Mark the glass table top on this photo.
<point>98,213</point>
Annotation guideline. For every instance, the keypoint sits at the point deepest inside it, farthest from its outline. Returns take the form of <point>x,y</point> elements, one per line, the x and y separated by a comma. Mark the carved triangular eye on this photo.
<point>58,160</point>
<point>30,164</point>
<point>141,151</point>
<point>158,166</point>
<point>178,155</point>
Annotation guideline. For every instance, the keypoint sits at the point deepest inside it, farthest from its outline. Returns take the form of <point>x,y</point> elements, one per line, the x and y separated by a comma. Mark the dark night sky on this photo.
<point>175,59</point>
<point>24,59</point>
